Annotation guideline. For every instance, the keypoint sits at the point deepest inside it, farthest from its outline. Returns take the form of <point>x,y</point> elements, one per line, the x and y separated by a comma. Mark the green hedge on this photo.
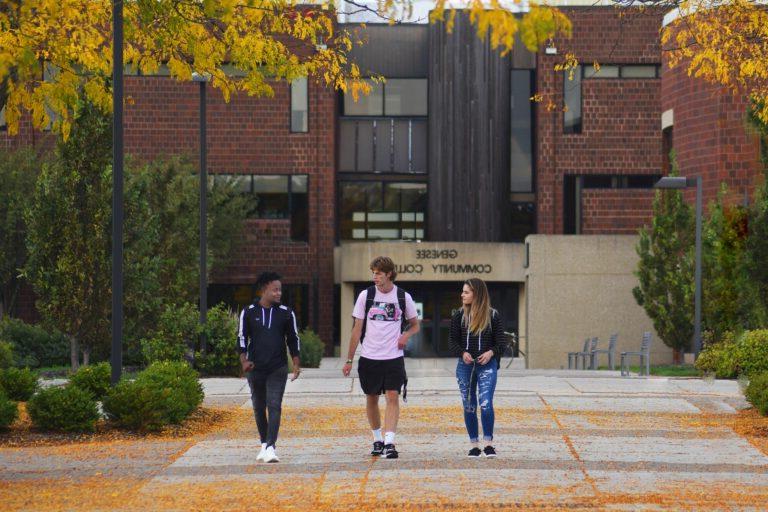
<point>34,346</point>
<point>19,384</point>
<point>746,353</point>
<point>757,392</point>
<point>6,354</point>
<point>9,411</point>
<point>164,393</point>
<point>312,348</point>
<point>220,357</point>
<point>95,379</point>
<point>68,409</point>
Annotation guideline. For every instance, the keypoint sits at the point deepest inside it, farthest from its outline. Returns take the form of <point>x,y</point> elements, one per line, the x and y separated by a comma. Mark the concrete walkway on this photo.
<point>566,440</point>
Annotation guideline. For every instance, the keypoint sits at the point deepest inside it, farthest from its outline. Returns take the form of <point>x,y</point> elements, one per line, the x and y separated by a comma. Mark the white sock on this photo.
<point>377,435</point>
<point>389,438</point>
<point>263,446</point>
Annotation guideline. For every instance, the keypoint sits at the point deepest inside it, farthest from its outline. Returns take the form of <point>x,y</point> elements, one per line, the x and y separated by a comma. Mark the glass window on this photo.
<point>523,221</point>
<point>521,132</point>
<point>382,210</point>
<point>639,71</point>
<point>299,207</point>
<point>572,101</point>
<point>606,71</point>
<point>405,97</point>
<point>370,105</point>
<point>271,192</point>
<point>299,105</point>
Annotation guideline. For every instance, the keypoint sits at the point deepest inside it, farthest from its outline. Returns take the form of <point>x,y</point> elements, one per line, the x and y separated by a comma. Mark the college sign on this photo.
<point>440,261</point>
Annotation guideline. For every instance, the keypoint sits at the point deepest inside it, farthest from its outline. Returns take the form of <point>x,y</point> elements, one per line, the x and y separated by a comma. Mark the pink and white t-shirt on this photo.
<point>384,320</point>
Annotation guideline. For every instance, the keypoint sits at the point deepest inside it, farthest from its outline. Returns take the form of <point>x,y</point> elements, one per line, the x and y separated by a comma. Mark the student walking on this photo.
<point>265,329</point>
<point>380,315</point>
<point>477,338</point>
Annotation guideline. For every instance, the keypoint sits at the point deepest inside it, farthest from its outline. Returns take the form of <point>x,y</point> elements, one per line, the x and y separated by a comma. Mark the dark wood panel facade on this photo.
<point>469,133</point>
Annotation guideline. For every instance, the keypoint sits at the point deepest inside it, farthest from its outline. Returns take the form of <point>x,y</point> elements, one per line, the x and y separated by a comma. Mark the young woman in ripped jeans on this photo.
<point>477,337</point>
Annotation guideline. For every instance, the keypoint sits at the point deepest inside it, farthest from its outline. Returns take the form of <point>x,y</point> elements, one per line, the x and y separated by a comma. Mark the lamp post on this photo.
<point>679,182</point>
<point>202,79</point>
<point>116,355</point>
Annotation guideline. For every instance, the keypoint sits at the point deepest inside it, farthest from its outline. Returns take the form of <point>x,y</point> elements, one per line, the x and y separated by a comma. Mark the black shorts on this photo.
<point>378,376</point>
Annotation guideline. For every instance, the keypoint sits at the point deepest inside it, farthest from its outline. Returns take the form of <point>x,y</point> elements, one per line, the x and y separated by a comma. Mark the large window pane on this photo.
<point>347,143</point>
<point>638,71</point>
<point>365,146</point>
<point>299,207</point>
<point>299,105</point>
<point>383,145</point>
<point>405,97</point>
<point>376,210</point>
<point>418,147</point>
<point>603,72</point>
<point>271,192</point>
<point>521,158</point>
<point>572,100</point>
<point>370,105</point>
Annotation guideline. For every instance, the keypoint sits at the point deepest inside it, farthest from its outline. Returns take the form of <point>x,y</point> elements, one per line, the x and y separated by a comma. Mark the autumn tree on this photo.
<point>665,268</point>
<point>53,52</point>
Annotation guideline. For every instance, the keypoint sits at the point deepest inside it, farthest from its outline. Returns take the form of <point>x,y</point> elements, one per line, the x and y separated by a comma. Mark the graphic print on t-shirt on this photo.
<point>385,312</point>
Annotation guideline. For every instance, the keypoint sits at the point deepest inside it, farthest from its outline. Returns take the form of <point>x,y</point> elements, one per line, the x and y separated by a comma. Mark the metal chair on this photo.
<point>644,354</point>
<point>587,354</point>
<point>573,356</point>
<point>611,350</point>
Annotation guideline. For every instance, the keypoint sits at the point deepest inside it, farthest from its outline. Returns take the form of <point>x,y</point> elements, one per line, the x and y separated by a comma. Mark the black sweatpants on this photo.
<point>267,390</point>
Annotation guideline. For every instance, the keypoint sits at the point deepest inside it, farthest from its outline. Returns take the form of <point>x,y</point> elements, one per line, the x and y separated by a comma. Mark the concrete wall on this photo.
<point>578,287</point>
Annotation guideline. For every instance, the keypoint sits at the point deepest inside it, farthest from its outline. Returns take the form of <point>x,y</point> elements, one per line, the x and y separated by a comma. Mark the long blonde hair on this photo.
<point>477,316</point>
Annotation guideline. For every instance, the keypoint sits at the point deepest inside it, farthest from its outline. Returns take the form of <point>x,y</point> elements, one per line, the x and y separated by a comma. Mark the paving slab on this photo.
<point>621,404</point>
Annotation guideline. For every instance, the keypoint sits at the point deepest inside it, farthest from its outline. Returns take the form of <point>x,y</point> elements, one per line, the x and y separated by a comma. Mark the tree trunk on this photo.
<point>86,356</point>
<point>677,356</point>
<point>74,353</point>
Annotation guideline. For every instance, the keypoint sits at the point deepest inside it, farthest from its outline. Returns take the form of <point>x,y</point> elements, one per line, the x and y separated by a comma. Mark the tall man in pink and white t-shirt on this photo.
<point>379,316</point>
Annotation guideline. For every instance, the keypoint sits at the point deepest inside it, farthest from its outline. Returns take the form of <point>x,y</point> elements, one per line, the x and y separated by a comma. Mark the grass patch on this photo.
<point>665,370</point>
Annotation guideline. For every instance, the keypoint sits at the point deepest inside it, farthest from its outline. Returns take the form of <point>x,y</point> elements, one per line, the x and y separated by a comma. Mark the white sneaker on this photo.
<point>270,455</point>
<point>260,456</point>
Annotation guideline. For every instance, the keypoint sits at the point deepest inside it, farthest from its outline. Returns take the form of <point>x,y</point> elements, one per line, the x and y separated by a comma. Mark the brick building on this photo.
<point>448,165</point>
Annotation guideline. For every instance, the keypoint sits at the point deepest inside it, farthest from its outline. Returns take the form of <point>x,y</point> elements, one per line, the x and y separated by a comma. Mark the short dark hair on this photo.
<point>265,278</point>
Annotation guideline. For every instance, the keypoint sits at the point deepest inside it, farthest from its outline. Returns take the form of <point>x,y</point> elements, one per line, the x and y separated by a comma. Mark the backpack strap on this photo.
<point>401,303</point>
<point>370,295</point>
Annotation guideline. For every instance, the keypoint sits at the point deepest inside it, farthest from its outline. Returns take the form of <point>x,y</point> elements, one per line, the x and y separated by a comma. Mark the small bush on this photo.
<point>182,381</point>
<point>9,411</point>
<point>757,392</point>
<point>164,393</point>
<point>312,348</point>
<point>19,384</point>
<point>220,358</point>
<point>6,354</point>
<point>746,354</point>
<point>34,346</point>
<point>177,333</point>
<point>752,354</point>
<point>95,379</point>
<point>136,405</point>
<point>68,409</point>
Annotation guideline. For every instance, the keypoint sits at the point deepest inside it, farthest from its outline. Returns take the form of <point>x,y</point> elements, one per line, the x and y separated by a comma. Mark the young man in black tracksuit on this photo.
<point>264,330</point>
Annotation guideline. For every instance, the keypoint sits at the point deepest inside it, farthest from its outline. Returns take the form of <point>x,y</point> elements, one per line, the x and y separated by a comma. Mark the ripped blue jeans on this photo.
<point>477,382</point>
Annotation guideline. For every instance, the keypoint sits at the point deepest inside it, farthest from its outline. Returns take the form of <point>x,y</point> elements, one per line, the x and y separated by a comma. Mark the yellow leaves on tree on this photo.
<point>724,43</point>
<point>55,52</point>
<point>505,20</point>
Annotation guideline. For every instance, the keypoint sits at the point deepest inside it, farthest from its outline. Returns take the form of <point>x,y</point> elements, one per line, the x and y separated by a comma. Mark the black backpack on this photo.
<point>371,296</point>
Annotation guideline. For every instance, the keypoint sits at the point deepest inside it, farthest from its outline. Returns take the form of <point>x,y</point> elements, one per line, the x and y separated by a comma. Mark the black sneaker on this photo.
<point>389,452</point>
<point>378,449</point>
<point>474,452</point>
<point>489,452</point>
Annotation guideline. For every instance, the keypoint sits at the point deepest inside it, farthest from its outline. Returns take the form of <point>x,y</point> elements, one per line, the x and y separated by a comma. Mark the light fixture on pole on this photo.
<point>202,79</point>
<point>680,182</point>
